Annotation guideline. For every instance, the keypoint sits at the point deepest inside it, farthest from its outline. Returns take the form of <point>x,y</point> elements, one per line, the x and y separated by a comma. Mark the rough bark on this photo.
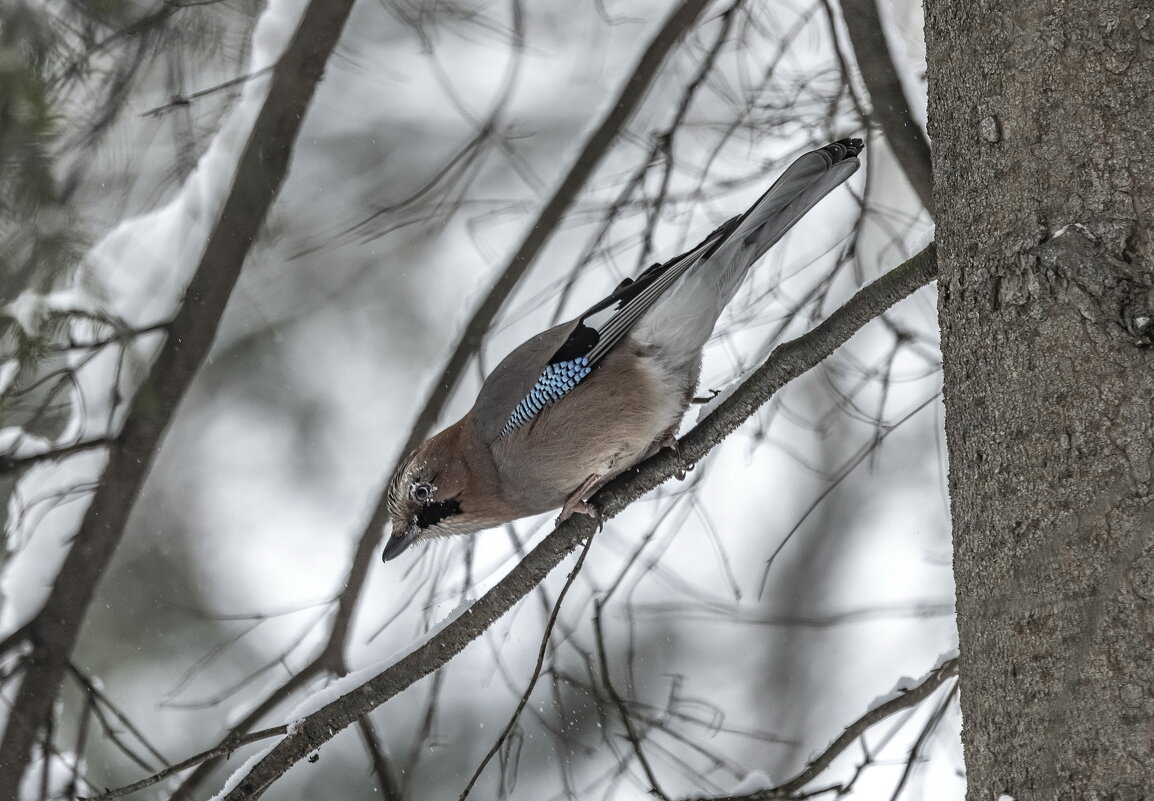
<point>1040,114</point>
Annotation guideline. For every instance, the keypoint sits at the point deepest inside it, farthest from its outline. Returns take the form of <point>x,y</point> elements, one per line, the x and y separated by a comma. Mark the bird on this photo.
<point>583,401</point>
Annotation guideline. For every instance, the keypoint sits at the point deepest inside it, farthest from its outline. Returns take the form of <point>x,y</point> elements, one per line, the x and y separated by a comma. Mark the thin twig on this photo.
<point>888,98</point>
<point>11,464</point>
<point>910,698</point>
<point>223,749</point>
<point>622,709</point>
<point>100,700</point>
<point>536,671</point>
<point>926,732</point>
<point>389,790</point>
<point>186,100</point>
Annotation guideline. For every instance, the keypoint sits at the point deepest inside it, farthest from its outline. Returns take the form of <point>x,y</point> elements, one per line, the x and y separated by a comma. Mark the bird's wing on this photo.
<point>736,244</point>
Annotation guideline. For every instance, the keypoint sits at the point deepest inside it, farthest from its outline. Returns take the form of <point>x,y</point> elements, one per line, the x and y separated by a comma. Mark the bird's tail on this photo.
<point>701,282</point>
<point>805,182</point>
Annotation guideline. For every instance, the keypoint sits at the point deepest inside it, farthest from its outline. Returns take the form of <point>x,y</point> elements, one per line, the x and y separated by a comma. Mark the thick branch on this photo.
<point>787,362</point>
<point>260,171</point>
<point>890,107</point>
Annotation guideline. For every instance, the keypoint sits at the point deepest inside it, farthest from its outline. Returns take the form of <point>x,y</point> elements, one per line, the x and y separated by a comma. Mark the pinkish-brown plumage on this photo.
<point>584,401</point>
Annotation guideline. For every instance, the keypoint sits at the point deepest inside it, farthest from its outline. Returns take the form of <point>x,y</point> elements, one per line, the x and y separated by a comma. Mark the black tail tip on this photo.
<point>844,148</point>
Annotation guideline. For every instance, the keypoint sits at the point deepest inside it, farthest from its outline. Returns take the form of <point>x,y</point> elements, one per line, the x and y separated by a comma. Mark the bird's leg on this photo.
<point>713,393</point>
<point>576,503</point>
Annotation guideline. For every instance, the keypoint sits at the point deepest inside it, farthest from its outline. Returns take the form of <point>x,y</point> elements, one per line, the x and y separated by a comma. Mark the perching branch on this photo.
<point>260,171</point>
<point>537,668</point>
<point>786,363</point>
<point>620,112</point>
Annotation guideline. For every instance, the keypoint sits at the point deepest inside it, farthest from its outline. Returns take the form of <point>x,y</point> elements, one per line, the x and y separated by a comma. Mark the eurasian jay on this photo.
<point>582,402</point>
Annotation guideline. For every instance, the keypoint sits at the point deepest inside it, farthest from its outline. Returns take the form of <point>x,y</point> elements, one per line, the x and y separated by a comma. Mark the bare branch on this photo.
<point>622,709</point>
<point>223,749</point>
<point>389,789</point>
<point>297,681</point>
<point>260,171</point>
<point>12,464</point>
<point>890,107</point>
<point>596,146</point>
<point>906,700</point>
<point>552,621</point>
<point>185,100</point>
<point>927,731</point>
<point>786,363</point>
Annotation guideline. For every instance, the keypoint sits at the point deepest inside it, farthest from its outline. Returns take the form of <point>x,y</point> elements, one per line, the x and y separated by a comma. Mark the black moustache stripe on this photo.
<point>433,513</point>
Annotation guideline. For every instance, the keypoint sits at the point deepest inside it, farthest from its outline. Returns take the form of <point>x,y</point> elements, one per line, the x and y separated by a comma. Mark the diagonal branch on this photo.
<point>890,107</point>
<point>787,362</point>
<point>910,698</point>
<point>260,171</point>
<point>680,20</point>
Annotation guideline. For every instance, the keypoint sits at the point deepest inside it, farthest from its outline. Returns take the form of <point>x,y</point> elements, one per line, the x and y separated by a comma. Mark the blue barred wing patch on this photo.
<point>556,381</point>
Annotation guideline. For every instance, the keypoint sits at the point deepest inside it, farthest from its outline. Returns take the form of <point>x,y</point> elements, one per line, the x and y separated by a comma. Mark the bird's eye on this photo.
<point>422,492</point>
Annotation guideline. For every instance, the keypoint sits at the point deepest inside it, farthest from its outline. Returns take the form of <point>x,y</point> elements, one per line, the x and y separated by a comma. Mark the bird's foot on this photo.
<point>713,393</point>
<point>576,504</point>
<point>670,441</point>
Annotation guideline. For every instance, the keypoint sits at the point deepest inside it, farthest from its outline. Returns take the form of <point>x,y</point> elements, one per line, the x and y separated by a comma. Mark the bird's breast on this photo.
<point>606,424</point>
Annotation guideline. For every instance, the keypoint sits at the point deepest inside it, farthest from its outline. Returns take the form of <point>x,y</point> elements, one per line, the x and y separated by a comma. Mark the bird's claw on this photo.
<point>576,503</point>
<point>670,441</point>
<point>580,507</point>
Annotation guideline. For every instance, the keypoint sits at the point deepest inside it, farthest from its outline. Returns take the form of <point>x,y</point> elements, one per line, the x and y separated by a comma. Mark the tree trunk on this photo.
<point>1040,115</point>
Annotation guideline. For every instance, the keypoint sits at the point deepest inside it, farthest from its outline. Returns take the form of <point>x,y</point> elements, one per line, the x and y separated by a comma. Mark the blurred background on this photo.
<point>746,614</point>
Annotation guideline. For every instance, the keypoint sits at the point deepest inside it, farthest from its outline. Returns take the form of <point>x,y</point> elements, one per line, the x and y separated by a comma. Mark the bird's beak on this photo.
<point>399,542</point>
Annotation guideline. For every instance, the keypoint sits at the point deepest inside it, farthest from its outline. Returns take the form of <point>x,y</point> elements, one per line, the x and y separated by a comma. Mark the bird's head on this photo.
<point>434,493</point>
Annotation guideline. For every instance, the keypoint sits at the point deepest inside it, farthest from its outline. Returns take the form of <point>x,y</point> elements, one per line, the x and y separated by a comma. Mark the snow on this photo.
<point>722,396</point>
<point>754,780</point>
<point>136,274</point>
<point>60,768</point>
<point>27,310</point>
<point>30,308</point>
<point>245,768</point>
<point>924,239</point>
<point>907,683</point>
<point>1080,227</point>
<point>351,681</point>
<point>17,443</point>
<point>8,371</point>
